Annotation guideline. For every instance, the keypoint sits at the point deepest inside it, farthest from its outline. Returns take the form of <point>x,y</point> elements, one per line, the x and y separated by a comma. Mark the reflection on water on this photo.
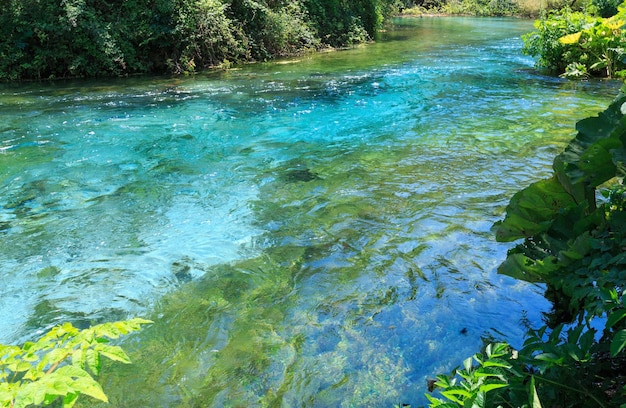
<point>307,234</point>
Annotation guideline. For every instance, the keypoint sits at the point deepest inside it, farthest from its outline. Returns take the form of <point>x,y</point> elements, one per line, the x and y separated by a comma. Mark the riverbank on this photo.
<point>94,39</point>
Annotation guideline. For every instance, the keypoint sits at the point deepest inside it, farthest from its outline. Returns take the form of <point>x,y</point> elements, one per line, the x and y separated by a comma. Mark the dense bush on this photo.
<point>577,44</point>
<point>67,38</point>
<point>521,8</point>
<point>574,243</point>
<point>605,8</point>
<point>345,22</point>
<point>481,7</point>
<point>544,43</point>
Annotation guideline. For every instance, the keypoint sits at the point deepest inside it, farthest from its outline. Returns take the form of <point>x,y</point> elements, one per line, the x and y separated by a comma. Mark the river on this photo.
<point>312,232</point>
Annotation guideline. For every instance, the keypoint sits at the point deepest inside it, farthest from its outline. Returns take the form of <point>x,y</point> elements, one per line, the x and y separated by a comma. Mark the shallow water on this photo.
<point>314,232</point>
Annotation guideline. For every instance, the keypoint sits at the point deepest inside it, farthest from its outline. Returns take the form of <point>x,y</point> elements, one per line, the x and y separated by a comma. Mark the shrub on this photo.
<point>605,8</point>
<point>553,55</point>
<point>42,39</point>
<point>574,242</point>
<point>577,45</point>
<point>481,7</point>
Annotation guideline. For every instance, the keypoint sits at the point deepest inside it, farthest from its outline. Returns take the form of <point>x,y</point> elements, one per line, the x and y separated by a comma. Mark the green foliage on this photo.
<point>605,8</point>
<point>577,249</point>
<point>481,7</point>
<point>520,8</point>
<point>553,55</point>
<point>60,364</point>
<point>273,28</point>
<point>468,386</point>
<point>43,39</point>
<point>574,242</point>
<point>578,45</point>
<point>342,22</point>
<point>206,36</point>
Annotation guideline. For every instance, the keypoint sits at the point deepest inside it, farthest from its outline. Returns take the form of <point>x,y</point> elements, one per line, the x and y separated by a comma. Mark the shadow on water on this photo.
<point>307,234</point>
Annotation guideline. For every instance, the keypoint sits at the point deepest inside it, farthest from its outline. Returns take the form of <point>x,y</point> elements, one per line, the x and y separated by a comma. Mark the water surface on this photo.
<point>314,232</point>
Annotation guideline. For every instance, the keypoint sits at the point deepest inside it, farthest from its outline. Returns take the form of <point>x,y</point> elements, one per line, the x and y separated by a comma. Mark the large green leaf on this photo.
<point>533,209</point>
<point>533,397</point>
<point>615,317</point>
<point>491,386</point>
<point>588,158</point>
<point>521,267</point>
<point>618,343</point>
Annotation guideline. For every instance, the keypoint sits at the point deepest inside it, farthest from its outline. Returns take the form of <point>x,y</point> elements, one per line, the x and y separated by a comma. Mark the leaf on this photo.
<point>492,386</point>
<point>499,350</point>
<point>35,386</point>
<point>618,343</point>
<point>479,401</point>
<point>533,209</point>
<point>92,358</point>
<point>70,399</point>
<point>587,340</point>
<point>570,38</point>
<point>596,163</point>
<point>30,394</point>
<point>555,335</point>
<point>54,357</point>
<point>521,267</point>
<point>19,366</point>
<point>615,317</point>
<point>54,385</point>
<point>437,403</point>
<point>618,259</point>
<point>7,392</point>
<point>443,381</point>
<point>467,364</point>
<point>108,330</point>
<point>452,393</point>
<point>114,353</point>
<point>614,24</point>
<point>79,358</point>
<point>533,397</point>
<point>496,362</point>
<point>550,358</point>
<point>82,382</point>
<point>496,372</point>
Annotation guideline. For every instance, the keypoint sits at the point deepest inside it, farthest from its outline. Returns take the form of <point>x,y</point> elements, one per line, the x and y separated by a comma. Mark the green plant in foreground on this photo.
<point>60,364</point>
<point>574,243</point>
<point>468,386</point>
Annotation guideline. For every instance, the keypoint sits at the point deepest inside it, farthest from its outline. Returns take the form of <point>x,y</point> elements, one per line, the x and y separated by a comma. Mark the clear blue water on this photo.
<point>312,232</point>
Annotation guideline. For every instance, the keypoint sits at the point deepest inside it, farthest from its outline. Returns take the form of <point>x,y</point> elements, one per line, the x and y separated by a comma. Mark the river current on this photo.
<point>310,232</point>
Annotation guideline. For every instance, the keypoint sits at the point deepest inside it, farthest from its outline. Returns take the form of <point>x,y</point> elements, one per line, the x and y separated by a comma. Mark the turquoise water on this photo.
<point>313,232</point>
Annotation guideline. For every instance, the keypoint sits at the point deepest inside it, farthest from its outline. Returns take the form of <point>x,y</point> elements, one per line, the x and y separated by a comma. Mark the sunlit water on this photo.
<point>310,233</point>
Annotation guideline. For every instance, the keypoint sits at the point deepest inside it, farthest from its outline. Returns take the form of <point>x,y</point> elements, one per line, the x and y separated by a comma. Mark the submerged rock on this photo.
<point>181,271</point>
<point>294,176</point>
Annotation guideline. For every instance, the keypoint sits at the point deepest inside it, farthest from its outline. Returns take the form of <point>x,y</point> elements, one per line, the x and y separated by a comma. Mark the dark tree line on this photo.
<point>88,38</point>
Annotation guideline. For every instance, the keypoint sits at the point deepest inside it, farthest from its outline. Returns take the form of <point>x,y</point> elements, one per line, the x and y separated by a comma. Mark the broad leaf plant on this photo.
<point>571,234</point>
<point>61,364</point>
